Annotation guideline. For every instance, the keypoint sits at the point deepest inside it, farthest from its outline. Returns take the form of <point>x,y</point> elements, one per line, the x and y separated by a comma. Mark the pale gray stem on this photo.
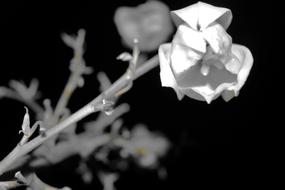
<point>66,94</point>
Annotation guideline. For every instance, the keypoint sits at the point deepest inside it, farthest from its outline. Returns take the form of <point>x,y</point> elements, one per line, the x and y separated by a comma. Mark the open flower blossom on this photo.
<point>201,62</point>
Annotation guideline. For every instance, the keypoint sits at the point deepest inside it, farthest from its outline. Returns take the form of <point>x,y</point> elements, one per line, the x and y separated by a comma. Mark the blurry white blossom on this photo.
<point>146,147</point>
<point>150,23</point>
<point>201,62</point>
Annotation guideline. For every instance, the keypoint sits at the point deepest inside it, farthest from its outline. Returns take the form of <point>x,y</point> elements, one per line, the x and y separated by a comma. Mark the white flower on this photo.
<point>149,22</point>
<point>201,62</point>
<point>146,147</point>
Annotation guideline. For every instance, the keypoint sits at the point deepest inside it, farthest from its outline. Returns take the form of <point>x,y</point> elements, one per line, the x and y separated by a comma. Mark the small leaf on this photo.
<point>20,177</point>
<point>26,123</point>
<point>125,56</point>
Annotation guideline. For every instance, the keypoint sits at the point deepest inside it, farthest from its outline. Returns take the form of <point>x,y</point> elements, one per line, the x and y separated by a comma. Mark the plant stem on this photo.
<point>66,94</point>
<point>9,159</point>
<point>91,107</point>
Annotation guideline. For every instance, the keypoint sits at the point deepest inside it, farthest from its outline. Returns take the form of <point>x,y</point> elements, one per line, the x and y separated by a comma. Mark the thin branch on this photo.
<point>9,159</point>
<point>77,67</point>
<point>66,94</point>
<point>91,107</point>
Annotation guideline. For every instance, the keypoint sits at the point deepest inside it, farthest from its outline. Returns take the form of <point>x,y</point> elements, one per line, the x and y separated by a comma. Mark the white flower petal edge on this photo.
<point>206,92</point>
<point>201,15</point>
<point>245,57</point>
<point>166,75</point>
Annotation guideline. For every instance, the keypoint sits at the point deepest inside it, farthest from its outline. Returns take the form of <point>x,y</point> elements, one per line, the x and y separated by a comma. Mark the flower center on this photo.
<point>198,27</point>
<point>210,59</point>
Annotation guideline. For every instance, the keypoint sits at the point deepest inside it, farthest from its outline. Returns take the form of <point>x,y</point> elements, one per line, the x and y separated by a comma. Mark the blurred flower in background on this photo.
<point>150,23</point>
<point>145,146</point>
<point>201,62</point>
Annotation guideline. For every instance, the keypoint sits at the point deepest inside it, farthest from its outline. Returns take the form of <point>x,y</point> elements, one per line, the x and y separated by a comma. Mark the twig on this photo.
<point>66,94</point>
<point>77,67</point>
<point>91,107</point>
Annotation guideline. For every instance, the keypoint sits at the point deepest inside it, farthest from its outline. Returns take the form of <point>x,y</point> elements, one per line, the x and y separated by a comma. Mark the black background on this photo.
<point>221,144</point>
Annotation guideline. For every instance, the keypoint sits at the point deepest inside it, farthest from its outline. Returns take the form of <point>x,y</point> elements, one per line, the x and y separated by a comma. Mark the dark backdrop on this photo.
<point>217,144</point>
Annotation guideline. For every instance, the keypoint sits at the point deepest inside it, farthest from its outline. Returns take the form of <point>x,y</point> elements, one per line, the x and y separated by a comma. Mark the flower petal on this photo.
<point>192,94</point>
<point>245,58</point>
<point>194,78</point>
<point>210,94</point>
<point>218,38</point>
<point>187,49</point>
<point>207,92</point>
<point>201,15</point>
<point>190,38</point>
<point>166,75</point>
